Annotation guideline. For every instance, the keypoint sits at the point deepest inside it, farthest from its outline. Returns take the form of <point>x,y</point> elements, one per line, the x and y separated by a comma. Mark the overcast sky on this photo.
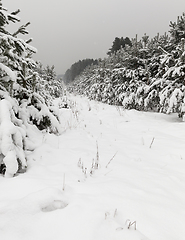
<point>65,31</point>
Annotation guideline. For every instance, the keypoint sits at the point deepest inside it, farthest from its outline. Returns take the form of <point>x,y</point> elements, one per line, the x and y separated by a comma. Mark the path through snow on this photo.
<point>137,180</point>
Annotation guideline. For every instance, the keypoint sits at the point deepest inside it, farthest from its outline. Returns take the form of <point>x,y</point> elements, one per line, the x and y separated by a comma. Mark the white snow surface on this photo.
<point>135,191</point>
<point>11,74</point>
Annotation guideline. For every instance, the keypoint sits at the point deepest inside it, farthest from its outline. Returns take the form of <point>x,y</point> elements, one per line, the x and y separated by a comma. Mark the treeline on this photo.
<point>77,68</point>
<point>148,74</point>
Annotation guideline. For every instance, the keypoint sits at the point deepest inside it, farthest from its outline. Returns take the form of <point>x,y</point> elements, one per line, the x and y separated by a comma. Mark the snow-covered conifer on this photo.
<point>24,98</point>
<point>147,75</point>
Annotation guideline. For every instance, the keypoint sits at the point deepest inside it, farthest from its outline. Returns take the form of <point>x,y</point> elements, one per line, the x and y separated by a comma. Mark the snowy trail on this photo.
<point>140,179</point>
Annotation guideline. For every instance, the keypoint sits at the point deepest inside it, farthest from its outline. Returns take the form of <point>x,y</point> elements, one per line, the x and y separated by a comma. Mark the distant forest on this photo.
<point>77,68</point>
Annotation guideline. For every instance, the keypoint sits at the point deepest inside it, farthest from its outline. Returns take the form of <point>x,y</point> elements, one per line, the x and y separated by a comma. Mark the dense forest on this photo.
<point>27,90</point>
<point>143,74</point>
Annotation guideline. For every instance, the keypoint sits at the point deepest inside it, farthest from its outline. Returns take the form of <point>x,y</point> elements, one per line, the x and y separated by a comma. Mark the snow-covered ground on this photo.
<point>113,174</point>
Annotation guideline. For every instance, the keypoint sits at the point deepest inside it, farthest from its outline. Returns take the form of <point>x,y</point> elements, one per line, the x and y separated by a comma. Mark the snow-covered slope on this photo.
<point>111,175</point>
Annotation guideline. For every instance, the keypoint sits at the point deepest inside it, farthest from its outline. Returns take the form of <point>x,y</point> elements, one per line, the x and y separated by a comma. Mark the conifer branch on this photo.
<point>21,30</point>
<point>15,12</point>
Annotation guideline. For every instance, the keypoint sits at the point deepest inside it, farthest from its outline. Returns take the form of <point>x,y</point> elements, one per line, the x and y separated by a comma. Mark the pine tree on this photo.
<point>119,43</point>
<point>177,29</point>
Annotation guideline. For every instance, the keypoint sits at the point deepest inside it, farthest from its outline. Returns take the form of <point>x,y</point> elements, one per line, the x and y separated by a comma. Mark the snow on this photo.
<point>112,174</point>
<point>12,75</point>
<point>11,139</point>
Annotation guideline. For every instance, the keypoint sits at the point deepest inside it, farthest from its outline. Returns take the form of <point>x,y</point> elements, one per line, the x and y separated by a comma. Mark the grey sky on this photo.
<point>65,31</point>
